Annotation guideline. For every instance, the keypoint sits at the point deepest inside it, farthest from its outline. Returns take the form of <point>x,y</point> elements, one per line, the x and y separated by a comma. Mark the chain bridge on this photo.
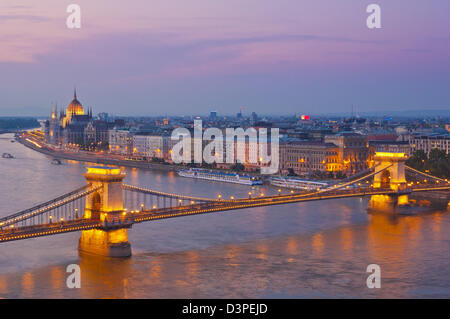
<point>105,208</point>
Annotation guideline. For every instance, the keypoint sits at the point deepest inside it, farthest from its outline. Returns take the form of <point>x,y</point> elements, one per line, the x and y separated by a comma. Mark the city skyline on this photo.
<point>191,58</point>
<point>225,155</point>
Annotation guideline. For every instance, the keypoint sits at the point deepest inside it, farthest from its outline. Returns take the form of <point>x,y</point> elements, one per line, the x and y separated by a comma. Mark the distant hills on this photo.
<point>445,113</point>
<point>13,123</point>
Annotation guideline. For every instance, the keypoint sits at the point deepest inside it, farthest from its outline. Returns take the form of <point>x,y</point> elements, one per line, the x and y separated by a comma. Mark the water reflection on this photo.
<point>103,277</point>
<point>331,263</point>
<point>346,239</point>
<point>3,286</point>
<point>315,249</point>
<point>317,244</point>
<point>27,285</point>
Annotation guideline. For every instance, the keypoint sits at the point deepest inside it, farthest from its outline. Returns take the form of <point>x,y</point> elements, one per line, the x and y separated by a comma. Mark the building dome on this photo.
<point>75,107</point>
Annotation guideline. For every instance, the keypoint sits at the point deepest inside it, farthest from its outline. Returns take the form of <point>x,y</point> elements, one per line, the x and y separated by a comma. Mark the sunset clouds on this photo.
<point>227,51</point>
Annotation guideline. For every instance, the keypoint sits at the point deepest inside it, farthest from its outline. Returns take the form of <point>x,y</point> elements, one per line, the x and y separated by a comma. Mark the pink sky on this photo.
<point>209,54</point>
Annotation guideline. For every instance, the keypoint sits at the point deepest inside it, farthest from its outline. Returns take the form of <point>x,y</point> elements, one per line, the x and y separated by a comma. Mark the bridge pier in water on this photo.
<point>106,205</point>
<point>391,175</point>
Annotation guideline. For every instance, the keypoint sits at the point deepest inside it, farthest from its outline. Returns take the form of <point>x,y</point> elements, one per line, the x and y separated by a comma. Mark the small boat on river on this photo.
<point>56,161</point>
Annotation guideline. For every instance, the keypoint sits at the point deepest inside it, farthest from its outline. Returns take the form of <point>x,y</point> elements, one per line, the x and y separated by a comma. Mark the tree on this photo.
<point>291,172</point>
<point>340,175</point>
<point>436,164</point>
<point>417,160</point>
<point>238,167</point>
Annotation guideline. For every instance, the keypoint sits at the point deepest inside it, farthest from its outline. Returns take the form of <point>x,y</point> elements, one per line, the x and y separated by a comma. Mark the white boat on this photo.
<point>56,161</point>
<point>7,155</point>
<point>296,183</point>
<point>211,175</point>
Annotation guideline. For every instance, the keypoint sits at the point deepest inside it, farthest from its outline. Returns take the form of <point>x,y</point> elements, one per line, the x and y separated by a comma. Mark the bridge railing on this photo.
<point>61,206</point>
<point>45,204</point>
<point>163,194</point>
<point>118,221</point>
<point>428,176</point>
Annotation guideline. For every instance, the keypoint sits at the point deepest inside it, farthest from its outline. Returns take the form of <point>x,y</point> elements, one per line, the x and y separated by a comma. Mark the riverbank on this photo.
<point>98,159</point>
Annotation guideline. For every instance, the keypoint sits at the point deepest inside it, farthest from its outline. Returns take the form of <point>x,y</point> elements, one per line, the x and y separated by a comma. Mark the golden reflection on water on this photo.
<point>231,254</point>
<point>317,244</point>
<point>386,238</point>
<point>192,267</point>
<point>331,261</point>
<point>27,284</point>
<point>389,235</point>
<point>262,250</point>
<point>103,276</point>
<point>57,278</point>
<point>436,226</point>
<point>171,177</point>
<point>346,239</point>
<point>125,288</point>
<point>133,175</point>
<point>292,246</point>
<point>3,285</point>
<point>155,271</point>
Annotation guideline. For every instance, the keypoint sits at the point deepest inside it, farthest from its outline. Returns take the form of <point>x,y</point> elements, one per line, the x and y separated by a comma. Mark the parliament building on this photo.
<point>75,126</point>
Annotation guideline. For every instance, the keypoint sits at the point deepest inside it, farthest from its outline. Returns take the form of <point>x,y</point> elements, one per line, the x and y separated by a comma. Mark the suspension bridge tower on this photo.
<point>106,205</point>
<point>391,174</point>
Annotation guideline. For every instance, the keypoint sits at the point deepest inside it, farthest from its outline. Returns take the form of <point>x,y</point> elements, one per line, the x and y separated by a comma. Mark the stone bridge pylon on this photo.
<point>106,205</point>
<point>391,167</point>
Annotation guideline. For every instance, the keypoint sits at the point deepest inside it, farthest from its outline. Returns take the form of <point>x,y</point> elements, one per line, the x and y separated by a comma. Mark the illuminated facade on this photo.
<point>106,205</point>
<point>427,142</point>
<point>120,141</point>
<point>306,157</point>
<point>345,152</point>
<point>393,177</point>
<point>394,174</point>
<point>354,152</point>
<point>75,126</point>
<point>150,146</point>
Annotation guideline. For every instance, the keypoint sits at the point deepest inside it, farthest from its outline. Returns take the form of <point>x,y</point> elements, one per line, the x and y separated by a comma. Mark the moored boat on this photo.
<point>296,183</point>
<point>7,155</point>
<point>211,175</point>
<point>56,161</point>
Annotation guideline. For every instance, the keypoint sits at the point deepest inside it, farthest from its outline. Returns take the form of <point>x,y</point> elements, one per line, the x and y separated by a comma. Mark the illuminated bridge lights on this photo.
<point>205,206</point>
<point>390,155</point>
<point>103,170</point>
<point>48,208</point>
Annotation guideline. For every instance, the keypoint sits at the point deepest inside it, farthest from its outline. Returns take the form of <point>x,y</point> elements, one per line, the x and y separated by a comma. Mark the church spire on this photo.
<point>75,93</point>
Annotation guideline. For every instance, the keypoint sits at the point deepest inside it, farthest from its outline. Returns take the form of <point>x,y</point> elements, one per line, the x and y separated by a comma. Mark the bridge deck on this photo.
<point>11,234</point>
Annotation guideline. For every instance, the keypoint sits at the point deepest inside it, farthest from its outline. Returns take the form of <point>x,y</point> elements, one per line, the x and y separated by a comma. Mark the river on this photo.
<point>306,250</point>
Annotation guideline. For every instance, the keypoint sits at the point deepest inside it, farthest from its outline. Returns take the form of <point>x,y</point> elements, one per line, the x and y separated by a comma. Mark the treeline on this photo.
<point>9,123</point>
<point>437,163</point>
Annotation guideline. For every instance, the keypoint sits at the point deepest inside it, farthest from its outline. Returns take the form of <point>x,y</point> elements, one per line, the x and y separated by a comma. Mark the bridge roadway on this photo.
<point>11,234</point>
